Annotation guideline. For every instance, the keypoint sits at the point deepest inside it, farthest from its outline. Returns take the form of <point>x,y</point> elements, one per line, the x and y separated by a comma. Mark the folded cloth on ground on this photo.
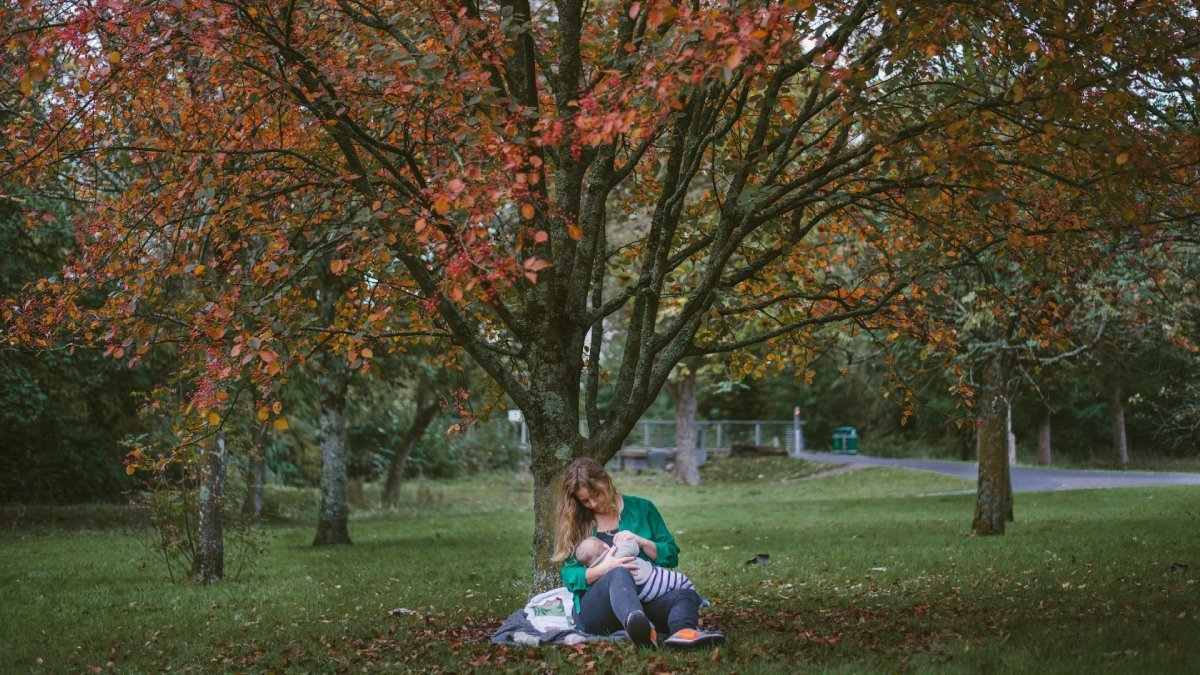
<point>551,610</point>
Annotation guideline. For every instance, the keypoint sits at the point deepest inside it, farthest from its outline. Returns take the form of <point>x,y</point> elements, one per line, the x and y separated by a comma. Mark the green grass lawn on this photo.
<point>867,573</point>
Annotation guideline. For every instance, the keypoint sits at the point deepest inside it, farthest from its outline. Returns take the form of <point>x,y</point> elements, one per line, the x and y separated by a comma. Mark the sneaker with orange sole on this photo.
<point>641,630</point>
<point>687,638</point>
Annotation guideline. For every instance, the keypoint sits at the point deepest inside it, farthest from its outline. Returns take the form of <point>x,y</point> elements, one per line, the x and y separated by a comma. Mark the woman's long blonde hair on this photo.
<point>575,520</point>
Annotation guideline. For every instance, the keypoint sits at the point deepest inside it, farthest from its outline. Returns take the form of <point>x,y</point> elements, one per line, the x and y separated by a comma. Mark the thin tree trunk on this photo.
<point>1044,451</point>
<point>1009,437</point>
<point>425,415</point>
<point>1116,407</point>
<point>208,565</point>
<point>993,504</point>
<point>332,379</point>
<point>256,475</point>
<point>683,395</point>
<point>1008,495</point>
<point>331,420</point>
<point>356,494</point>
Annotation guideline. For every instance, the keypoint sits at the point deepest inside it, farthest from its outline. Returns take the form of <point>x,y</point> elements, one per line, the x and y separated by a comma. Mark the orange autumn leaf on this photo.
<point>536,264</point>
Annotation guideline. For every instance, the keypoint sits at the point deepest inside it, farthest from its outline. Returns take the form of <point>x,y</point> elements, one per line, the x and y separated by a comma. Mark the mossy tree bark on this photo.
<point>552,414</point>
<point>334,511</point>
<point>333,376</point>
<point>993,503</point>
<point>683,396</point>
<point>208,563</point>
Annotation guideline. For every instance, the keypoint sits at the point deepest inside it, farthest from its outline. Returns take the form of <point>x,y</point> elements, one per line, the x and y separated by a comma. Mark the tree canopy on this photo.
<point>779,166</point>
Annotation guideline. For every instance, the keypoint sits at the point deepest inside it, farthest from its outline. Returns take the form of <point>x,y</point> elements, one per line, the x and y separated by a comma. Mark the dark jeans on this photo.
<point>605,606</point>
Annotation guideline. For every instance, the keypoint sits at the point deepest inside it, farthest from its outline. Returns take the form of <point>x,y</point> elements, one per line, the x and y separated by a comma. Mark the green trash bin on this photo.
<point>845,441</point>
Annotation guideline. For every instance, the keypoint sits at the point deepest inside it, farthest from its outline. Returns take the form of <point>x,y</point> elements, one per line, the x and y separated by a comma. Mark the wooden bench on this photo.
<point>640,456</point>
<point>637,457</point>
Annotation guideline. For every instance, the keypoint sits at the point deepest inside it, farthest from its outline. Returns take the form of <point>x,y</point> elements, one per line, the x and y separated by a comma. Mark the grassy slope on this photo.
<point>865,574</point>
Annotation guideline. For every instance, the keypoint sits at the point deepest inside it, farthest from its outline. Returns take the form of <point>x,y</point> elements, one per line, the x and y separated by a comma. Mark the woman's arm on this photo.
<point>649,546</point>
<point>574,576</point>
<point>652,536</point>
<point>594,573</point>
<point>578,578</point>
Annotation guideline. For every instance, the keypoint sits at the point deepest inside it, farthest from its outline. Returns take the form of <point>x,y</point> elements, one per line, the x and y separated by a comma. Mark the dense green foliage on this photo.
<point>63,413</point>
<point>857,388</point>
<point>869,572</point>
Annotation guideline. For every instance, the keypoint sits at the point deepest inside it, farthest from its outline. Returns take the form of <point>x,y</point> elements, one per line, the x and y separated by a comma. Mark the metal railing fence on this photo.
<point>711,435</point>
<point>719,435</point>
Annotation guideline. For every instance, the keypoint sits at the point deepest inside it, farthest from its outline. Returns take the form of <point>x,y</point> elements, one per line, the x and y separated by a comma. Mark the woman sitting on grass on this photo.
<point>606,597</point>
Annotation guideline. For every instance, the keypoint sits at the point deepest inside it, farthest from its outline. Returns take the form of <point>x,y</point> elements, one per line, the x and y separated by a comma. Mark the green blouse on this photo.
<point>640,517</point>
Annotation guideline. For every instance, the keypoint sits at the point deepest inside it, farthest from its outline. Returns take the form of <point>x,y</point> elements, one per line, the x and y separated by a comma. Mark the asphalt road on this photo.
<point>1025,479</point>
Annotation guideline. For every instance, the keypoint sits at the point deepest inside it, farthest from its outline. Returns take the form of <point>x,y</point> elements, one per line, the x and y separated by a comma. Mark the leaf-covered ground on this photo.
<point>870,571</point>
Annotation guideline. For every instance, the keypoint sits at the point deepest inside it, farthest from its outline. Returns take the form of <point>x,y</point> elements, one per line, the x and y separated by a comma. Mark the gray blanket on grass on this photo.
<point>518,631</point>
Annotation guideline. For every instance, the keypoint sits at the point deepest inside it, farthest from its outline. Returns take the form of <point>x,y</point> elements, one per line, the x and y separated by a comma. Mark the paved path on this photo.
<point>1025,479</point>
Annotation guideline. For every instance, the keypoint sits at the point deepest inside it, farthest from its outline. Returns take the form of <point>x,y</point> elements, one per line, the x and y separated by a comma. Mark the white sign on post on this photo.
<point>515,416</point>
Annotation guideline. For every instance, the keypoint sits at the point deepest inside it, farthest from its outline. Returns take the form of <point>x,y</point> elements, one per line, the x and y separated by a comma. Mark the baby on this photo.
<point>652,581</point>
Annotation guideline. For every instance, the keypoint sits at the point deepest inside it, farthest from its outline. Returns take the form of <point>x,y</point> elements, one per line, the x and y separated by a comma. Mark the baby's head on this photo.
<point>590,551</point>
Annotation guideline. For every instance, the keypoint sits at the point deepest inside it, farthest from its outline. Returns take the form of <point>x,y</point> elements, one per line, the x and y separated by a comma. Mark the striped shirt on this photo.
<point>662,580</point>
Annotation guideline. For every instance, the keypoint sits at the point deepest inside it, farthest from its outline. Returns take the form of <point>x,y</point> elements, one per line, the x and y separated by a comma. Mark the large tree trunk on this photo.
<point>545,508</point>
<point>1044,450</point>
<point>208,564</point>
<point>555,441</point>
<point>551,454</point>
<point>331,424</point>
<point>993,503</point>
<point>683,395</point>
<point>256,475</point>
<point>424,416</point>
<point>1116,407</point>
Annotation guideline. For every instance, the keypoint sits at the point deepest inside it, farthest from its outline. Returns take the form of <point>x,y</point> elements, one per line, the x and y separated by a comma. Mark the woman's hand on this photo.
<point>626,534</point>
<point>648,547</point>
